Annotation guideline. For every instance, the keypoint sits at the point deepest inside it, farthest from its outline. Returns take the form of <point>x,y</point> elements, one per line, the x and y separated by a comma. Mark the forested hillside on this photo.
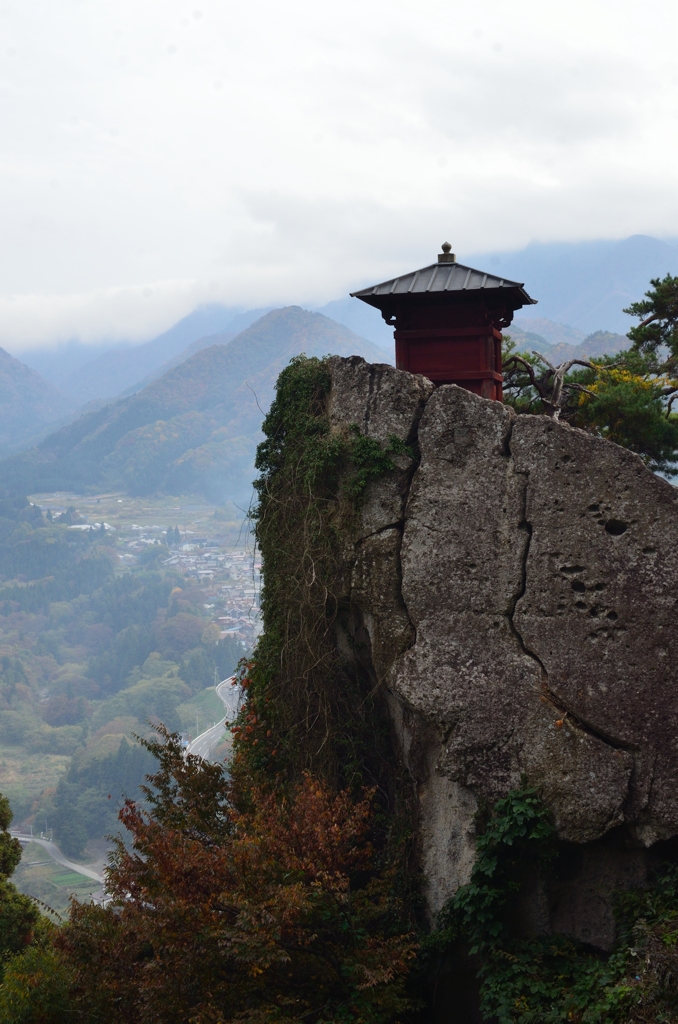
<point>193,429</point>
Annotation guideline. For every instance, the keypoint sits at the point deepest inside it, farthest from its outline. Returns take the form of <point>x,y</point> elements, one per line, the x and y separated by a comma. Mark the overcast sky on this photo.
<point>159,153</point>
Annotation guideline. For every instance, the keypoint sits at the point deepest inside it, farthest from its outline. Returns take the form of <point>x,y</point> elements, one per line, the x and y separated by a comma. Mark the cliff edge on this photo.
<point>518,590</point>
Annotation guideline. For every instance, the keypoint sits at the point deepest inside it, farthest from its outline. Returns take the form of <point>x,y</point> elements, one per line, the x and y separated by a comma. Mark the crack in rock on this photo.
<point>547,694</point>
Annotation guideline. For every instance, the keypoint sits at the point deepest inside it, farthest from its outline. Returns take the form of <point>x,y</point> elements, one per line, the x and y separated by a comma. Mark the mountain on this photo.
<point>193,429</point>
<point>554,334</point>
<point>29,404</point>
<point>585,284</point>
<point>564,342</point>
<point>119,369</point>
<point>592,347</point>
<point>361,318</point>
<point>56,364</point>
<point>222,338</point>
<point>601,343</point>
<point>527,341</point>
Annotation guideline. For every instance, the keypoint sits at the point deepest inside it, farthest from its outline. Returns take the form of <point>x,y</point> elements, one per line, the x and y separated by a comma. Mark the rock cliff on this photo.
<point>519,591</point>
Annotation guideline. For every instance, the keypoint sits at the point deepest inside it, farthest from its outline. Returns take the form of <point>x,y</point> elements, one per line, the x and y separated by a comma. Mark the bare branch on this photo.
<point>571,385</point>
<point>528,366</point>
<point>544,360</point>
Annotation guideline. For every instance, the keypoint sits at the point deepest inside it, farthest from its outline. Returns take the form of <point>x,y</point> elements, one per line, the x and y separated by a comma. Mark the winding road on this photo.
<point>229,693</point>
<point>56,854</point>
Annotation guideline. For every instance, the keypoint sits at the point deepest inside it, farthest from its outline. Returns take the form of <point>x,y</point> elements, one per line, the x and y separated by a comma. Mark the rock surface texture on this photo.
<point>519,589</point>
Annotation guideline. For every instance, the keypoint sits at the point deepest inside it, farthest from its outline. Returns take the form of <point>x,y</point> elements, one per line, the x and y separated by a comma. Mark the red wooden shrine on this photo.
<point>448,320</point>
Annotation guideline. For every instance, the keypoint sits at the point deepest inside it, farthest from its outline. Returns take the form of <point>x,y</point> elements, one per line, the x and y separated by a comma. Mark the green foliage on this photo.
<point>153,556</point>
<point>552,979</point>
<point>36,988</point>
<point>626,398</point>
<point>307,707</point>
<point>628,406</point>
<point>179,634</point>
<point>656,336</point>
<point>77,577</point>
<point>87,799</point>
<point>517,837</point>
<point>10,849</point>
<point>86,636</point>
<point>369,460</point>
<point>19,916</point>
<point>198,665</point>
<point>151,696</point>
<point>51,562</point>
<point>133,599</point>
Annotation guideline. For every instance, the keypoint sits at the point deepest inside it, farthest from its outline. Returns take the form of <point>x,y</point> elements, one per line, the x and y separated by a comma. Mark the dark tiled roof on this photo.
<point>443,277</point>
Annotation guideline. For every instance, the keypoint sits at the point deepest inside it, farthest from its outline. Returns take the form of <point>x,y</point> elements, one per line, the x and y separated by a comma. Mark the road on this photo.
<point>56,854</point>
<point>230,695</point>
<point>202,745</point>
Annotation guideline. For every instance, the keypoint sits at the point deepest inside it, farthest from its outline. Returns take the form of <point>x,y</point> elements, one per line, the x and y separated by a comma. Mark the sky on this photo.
<point>159,154</point>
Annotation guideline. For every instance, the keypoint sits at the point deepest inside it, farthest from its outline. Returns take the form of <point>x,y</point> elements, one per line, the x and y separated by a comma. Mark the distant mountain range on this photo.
<point>584,284</point>
<point>581,289</point>
<point>29,405</point>
<point>564,341</point>
<point>196,427</point>
<point>117,369</point>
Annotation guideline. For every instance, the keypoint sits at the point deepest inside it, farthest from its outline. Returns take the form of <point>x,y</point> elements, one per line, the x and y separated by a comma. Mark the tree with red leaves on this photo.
<point>271,909</point>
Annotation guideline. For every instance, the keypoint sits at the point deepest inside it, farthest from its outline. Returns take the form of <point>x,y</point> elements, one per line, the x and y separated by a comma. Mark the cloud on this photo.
<point>270,153</point>
<point>131,313</point>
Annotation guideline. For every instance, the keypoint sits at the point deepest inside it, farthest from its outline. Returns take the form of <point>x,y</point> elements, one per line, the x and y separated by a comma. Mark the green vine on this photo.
<point>311,706</point>
<point>553,979</point>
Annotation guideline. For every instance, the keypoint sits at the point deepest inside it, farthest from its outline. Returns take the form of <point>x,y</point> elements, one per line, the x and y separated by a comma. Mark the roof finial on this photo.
<point>446,256</point>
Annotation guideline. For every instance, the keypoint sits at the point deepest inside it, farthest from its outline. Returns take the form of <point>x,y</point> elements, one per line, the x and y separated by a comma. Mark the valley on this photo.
<point>142,641</point>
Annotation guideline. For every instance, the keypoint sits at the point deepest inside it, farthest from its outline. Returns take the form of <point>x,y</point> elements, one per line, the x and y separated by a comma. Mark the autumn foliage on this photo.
<point>276,911</point>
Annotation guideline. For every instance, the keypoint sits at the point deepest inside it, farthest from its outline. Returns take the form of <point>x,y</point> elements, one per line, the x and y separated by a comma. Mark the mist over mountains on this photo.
<point>195,428</point>
<point>116,369</point>
<point>585,285</point>
<point>178,412</point>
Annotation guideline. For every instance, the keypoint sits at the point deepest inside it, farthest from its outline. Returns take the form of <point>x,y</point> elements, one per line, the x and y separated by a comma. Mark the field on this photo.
<point>194,516</point>
<point>41,877</point>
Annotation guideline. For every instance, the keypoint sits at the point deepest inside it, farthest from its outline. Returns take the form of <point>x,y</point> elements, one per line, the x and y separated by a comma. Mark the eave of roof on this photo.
<point>439,278</point>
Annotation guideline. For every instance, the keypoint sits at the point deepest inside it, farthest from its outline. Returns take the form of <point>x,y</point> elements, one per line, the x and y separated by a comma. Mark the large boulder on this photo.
<point>520,591</point>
